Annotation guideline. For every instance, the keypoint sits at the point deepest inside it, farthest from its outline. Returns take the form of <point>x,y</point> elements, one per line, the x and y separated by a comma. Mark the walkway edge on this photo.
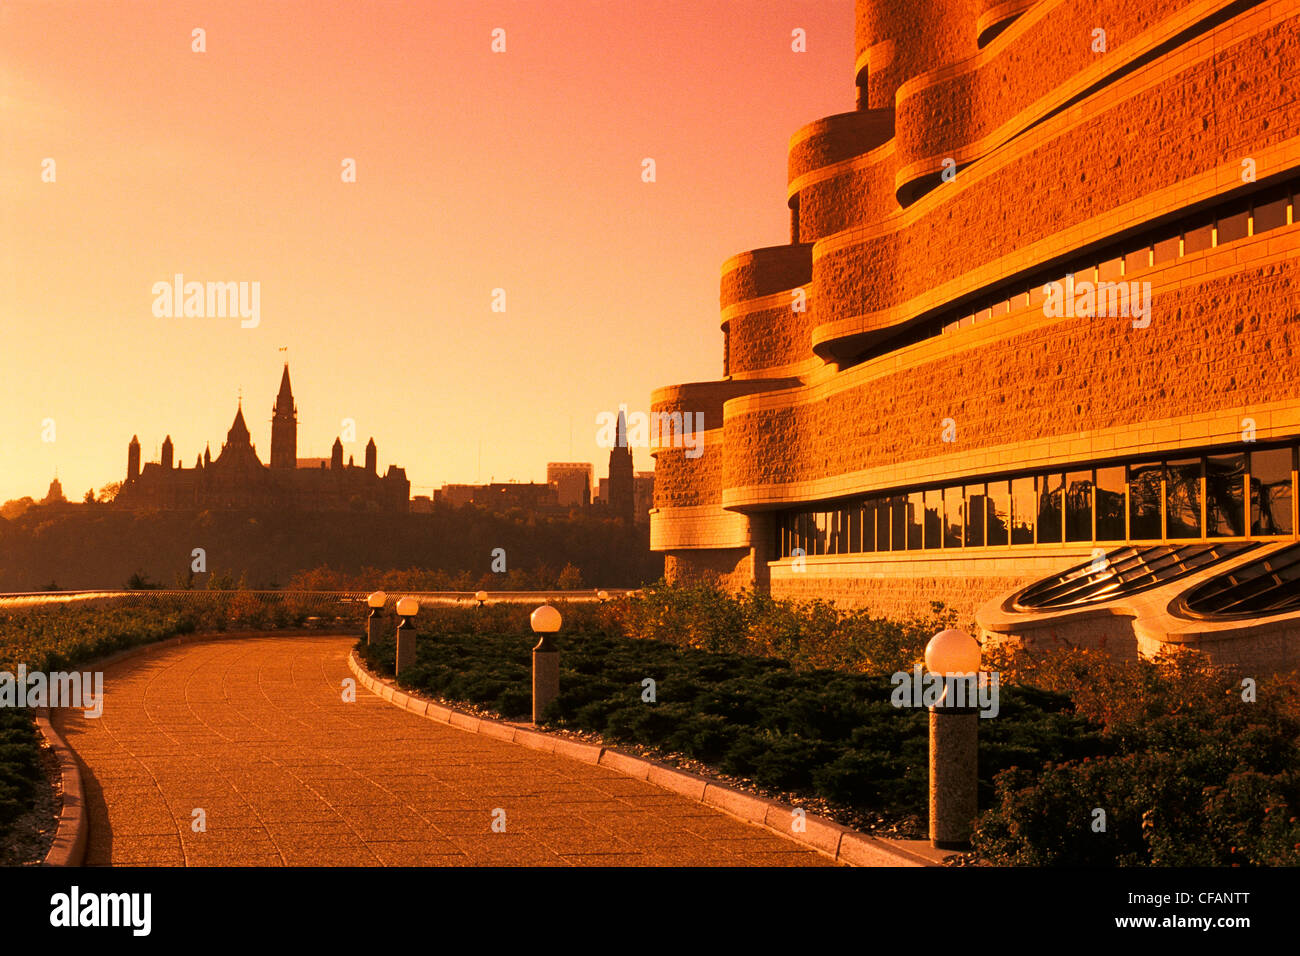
<point>69,846</point>
<point>831,839</point>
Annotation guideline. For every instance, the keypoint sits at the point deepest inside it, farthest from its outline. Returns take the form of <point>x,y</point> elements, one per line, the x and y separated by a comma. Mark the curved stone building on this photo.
<point>1039,304</point>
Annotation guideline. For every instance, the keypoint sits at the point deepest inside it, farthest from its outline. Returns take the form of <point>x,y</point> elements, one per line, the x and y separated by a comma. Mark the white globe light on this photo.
<point>603,595</point>
<point>408,607</point>
<point>377,599</point>
<point>480,595</point>
<point>952,652</point>
<point>545,620</point>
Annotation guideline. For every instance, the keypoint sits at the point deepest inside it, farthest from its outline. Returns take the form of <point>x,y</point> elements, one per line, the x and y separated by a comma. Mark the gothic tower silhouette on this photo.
<point>622,487</point>
<point>284,426</point>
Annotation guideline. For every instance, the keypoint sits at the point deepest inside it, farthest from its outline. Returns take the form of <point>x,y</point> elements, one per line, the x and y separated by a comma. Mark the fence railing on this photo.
<point>323,599</point>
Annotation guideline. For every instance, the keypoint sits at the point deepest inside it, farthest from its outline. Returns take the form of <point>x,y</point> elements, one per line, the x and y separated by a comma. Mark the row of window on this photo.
<point>1237,493</point>
<point>1238,219</point>
<point>1263,210</point>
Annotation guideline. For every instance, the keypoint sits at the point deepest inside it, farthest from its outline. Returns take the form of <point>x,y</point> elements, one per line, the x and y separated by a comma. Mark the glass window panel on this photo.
<point>1198,238</point>
<point>934,518</point>
<point>1145,507</point>
<point>1233,226</point>
<point>1183,498</point>
<point>1109,495</point>
<point>975,516</point>
<point>1078,506</point>
<point>1137,260</point>
<point>882,524</point>
<point>852,528</point>
<point>915,513</point>
<point>1024,510</point>
<point>1051,489</point>
<point>952,523</point>
<point>898,523</point>
<point>998,521</point>
<point>868,525</point>
<point>1270,213</point>
<point>1107,271</point>
<point>1225,496</point>
<point>1270,491</point>
<point>1166,249</point>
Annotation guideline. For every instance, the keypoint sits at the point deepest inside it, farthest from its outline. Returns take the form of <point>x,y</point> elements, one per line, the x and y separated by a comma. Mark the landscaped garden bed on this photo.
<point>1187,770</point>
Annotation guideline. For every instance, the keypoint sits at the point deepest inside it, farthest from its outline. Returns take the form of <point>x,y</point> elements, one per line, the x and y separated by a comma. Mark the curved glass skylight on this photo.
<point>1124,571</point>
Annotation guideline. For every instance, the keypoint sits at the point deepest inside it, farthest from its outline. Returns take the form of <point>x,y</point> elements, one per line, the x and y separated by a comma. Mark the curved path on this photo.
<point>255,733</point>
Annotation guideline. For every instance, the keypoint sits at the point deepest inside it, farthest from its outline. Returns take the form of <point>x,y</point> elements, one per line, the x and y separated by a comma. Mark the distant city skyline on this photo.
<point>131,158</point>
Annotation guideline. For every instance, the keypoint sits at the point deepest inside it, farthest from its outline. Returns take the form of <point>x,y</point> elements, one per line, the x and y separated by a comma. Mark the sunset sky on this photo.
<point>475,170</point>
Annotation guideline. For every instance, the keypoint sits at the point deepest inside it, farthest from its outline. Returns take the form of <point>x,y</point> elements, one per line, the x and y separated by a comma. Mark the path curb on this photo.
<point>831,839</point>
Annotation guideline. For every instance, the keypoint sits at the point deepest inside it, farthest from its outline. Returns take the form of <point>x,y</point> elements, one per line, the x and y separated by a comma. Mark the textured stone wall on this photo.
<point>1036,66</point>
<point>1120,153</point>
<point>732,568</point>
<point>767,337</point>
<point>902,40</point>
<point>1229,341</point>
<point>760,272</point>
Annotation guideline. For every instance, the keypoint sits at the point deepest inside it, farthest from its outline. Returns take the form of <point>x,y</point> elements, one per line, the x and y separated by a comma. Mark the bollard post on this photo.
<point>407,608</point>
<point>954,775</point>
<point>954,740</point>
<point>376,604</point>
<point>545,621</point>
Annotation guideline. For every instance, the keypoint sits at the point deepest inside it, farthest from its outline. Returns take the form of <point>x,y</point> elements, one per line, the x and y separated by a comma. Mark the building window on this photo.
<point>998,519</point>
<point>1110,504</point>
<point>1051,489</point>
<point>1230,493</point>
<point>1225,496</point>
<point>934,518</point>
<point>898,523</point>
<point>915,516</point>
<point>1270,491</point>
<point>1024,510</point>
<point>975,516</point>
<point>1183,498</point>
<point>952,523</point>
<point>1145,501</point>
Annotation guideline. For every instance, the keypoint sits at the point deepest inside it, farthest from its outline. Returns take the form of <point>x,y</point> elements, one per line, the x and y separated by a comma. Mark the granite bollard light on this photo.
<point>375,602</point>
<point>954,739</point>
<point>407,608</point>
<point>545,621</point>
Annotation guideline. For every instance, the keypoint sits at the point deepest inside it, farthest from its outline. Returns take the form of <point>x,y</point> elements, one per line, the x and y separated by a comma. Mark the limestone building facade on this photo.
<point>1040,302</point>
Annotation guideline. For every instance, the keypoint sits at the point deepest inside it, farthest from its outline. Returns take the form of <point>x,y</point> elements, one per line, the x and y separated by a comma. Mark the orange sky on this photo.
<point>475,171</point>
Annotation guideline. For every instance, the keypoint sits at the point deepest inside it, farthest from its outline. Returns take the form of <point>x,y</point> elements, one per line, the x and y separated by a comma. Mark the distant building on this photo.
<point>55,495</point>
<point>621,498</point>
<point>501,496</point>
<point>236,478</point>
<point>643,494</point>
<point>572,481</point>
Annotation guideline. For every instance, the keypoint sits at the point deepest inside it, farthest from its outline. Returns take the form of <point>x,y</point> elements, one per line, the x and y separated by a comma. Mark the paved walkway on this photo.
<point>256,734</point>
